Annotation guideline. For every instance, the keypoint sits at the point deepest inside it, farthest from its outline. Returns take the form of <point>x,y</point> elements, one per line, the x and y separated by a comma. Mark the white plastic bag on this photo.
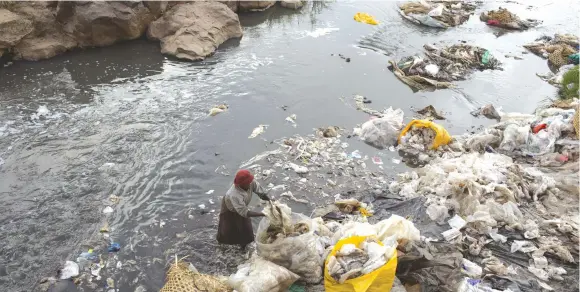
<point>383,132</point>
<point>514,137</point>
<point>70,269</point>
<point>471,269</point>
<point>299,254</point>
<point>398,226</point>
<point>437,11</point>
<point>259,275</point>
<point>432,69</point>
<point>353,229</point>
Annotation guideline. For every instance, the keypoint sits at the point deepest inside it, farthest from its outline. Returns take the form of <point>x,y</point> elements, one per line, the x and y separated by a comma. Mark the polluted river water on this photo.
<point>126,121</point>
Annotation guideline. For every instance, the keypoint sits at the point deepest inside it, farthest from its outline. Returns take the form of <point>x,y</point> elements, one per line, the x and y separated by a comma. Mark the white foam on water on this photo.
<point>321,31</point>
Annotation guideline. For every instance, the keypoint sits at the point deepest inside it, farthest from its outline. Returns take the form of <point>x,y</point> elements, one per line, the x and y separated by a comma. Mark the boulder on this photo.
<point>47,38</point>
<point>194,30</point>
<point>292,4</point>
<point>157,8</point>
<point>13,28</point>
<point>99,23</point>
<point>245,6</point>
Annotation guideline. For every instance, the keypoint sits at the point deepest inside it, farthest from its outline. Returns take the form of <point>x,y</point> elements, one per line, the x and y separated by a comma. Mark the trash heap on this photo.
<point>505,19</point>
<point>183,277</point>
<point>514,201</point>
<point>559,50</point>
<point>441,66</point>
<point>440,14</point>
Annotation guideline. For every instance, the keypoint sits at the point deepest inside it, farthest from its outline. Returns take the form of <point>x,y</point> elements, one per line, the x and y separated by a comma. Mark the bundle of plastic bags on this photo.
<point>296,247</point>
<point>259,275</point>
<point>383,132</point>
<point>360,263</point>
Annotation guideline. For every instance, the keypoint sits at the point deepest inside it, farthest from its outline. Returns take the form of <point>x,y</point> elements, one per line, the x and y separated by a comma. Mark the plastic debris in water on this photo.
<point>355,154</point>
<point>365,18</point>
<point>114,247</point>
<point>218,109</point>
<point>201,206</point>
<point>259,130</point>
<point>377,160</point>
<point>108,210</point>
<point>396,161</point>
<point>292,119</point>
<point>209,192</point>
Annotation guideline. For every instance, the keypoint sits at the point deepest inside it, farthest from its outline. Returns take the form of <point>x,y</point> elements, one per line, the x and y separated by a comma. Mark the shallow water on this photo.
<point>127,121</point>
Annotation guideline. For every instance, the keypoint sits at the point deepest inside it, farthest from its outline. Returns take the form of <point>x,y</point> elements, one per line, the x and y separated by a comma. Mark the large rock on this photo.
<point>47,38</point>
<point>193,31</point>
<point>245,6</point>
<point>99,23</point>
<point>13,28</point>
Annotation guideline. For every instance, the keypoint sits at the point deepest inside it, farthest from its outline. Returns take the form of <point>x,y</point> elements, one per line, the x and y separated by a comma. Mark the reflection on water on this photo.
<point>127,121</point>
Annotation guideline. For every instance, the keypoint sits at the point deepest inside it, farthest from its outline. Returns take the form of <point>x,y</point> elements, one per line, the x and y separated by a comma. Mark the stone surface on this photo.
<point>193,31</point>
<point>292,4</point>
<point>47,39</point>
<point>245,6</point>
<point>96,24</point>
<point>13,28</point>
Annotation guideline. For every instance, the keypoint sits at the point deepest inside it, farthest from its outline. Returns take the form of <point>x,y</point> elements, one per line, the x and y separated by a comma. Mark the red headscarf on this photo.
<point>243,178</point>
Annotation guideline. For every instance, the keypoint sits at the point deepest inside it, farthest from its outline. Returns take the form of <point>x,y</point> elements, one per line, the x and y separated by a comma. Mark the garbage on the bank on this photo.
<point>183,277</point>
<point>259,275</point>
<point>505,19</point>
<point>365,18</point>
<point>360,264</point>
<point>329,132</point>
<point>443,65</point>
<point>382,132</point>
<point>430,112</point>
<point>218,109</point>
<point>440,14</point>
<point>557,78</point>
<point>290,240</point>
<point>556,49</point>
<point>424,135</point>
<point>258,131</point>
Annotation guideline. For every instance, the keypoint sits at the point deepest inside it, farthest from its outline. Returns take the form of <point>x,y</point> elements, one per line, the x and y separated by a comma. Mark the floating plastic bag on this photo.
<point>259,275</point>
<point>299,254</point>
<point>399,227</point>
<point>382,132</point>
<point>442,137</point>
<point>379,280</point>
<point>471,269</point>
<point>432,69</point>
<point>365,18</point>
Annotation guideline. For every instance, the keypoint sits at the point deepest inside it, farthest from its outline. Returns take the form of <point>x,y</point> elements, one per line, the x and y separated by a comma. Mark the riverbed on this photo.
<point>126,121</point>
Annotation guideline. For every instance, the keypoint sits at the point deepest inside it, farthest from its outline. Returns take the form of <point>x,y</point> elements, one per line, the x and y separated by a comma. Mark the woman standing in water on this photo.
<point>235,225</point>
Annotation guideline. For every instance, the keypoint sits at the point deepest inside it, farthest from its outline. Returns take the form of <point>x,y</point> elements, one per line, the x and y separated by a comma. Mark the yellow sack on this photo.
<point>442,137</point>
<point>379,280</point>
<point>366,18</point>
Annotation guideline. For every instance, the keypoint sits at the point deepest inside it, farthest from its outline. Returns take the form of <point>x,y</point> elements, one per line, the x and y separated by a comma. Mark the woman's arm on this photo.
<point>260,191</point>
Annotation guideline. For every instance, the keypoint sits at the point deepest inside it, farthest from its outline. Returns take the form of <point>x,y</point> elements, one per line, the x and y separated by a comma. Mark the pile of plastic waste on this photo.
<point>440,14</point>
<point>440,66</point>
<point>505,19</point>
<point>557,49</point>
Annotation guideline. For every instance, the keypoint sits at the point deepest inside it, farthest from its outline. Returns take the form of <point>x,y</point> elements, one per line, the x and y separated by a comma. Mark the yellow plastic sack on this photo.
<point>366,18</point>
<point>380,280</point>
<point>442,137</point>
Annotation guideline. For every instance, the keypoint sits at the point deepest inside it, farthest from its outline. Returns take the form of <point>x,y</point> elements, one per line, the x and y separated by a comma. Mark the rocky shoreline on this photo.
<point>189,30</point>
